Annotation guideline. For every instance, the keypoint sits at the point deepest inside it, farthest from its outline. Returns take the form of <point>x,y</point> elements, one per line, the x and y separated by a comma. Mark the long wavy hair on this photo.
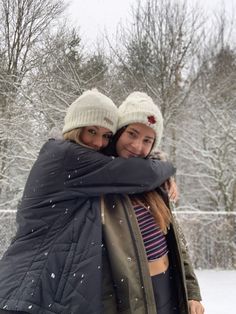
<point>155,204</point>
<point>151,200</point>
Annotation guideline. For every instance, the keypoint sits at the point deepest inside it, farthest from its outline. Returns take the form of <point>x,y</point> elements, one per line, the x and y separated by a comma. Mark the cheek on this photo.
<point>120,143</point>
<point>123,140</point>
<point>84,138</point>
<point>119,148</point>
<point>148,150</point>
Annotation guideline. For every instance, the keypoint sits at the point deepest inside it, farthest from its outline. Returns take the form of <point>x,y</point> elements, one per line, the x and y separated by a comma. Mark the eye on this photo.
<point>92,131</point>
<point>131,133</point>
<point>148,141</point>
<point>107,136</point>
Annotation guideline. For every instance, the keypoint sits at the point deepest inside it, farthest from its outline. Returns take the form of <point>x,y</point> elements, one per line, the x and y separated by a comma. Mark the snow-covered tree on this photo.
<point>22,25</point>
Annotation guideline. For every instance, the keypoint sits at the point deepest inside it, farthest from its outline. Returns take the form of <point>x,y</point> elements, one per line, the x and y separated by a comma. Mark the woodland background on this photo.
<point>185,60</point>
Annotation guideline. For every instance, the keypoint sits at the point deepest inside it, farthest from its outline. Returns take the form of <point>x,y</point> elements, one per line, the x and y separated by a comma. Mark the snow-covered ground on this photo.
<point>218,289</point>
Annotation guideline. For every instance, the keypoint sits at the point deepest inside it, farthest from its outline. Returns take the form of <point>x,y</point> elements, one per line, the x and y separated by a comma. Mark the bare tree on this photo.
<point>56,72</point>
<point>23,24</point>
<point>65,70</point>
<point>158,50</point>
<point>208,145</point>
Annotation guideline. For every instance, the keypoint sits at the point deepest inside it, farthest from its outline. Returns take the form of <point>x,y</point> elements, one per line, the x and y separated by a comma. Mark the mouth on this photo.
<point>131,154</point>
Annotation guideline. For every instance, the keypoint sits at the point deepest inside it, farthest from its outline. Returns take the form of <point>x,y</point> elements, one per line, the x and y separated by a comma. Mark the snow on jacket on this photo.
<point>127,286</point>
<point>53,264</point>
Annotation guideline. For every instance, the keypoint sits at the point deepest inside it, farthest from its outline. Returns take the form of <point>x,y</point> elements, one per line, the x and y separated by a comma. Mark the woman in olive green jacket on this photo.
<point>134,282</point>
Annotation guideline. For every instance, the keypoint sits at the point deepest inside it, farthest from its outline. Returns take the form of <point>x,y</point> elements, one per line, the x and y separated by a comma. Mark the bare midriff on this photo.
<point>159,265</point>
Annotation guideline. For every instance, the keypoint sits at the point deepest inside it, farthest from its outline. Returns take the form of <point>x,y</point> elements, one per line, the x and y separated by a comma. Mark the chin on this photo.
<point>124,156</point>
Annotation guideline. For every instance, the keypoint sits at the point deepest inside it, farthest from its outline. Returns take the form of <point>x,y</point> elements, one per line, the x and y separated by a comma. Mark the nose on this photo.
<point>136,145</point>
<point>98,142</point>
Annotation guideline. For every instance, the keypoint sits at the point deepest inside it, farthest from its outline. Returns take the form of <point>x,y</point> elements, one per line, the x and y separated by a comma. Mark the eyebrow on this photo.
<point>94,126</point>
<point>146,136</point>
<point>97,128</point>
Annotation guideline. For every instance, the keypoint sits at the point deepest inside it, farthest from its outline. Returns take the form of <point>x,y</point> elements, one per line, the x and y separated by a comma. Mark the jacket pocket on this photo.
<point>65,274</point>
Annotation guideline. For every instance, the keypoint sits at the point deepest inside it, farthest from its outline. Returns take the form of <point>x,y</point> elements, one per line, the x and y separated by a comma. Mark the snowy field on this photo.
<point>218,289</point>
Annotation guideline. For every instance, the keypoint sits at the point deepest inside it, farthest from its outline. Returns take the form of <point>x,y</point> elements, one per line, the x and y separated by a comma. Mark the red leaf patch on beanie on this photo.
<point>151,119</point>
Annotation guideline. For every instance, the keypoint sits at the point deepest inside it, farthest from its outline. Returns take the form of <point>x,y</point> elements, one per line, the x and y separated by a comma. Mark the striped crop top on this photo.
<point>154,240</point>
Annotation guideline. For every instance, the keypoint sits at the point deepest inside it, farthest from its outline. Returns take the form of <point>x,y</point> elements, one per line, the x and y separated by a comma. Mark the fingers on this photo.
<point>195,307</point>
<point>173,191</point>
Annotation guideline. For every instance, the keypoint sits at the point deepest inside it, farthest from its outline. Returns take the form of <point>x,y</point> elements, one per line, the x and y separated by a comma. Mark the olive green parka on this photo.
<point>127,285</point>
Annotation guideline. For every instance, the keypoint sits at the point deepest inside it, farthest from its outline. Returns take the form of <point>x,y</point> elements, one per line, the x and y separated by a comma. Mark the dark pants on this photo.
<point>164,291</point>
<point>12,312</point>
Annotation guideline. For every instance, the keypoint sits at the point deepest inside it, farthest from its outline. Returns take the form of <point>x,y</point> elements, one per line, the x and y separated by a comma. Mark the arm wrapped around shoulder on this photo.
<point>97,174</point>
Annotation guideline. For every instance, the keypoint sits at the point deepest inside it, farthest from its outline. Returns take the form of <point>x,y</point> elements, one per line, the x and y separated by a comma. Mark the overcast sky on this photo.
<point>93,16</point>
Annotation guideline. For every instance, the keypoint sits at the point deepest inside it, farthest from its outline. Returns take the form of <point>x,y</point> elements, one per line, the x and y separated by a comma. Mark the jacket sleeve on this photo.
<point>192,284</point>
<point>93,174</point>
<point>193,289</point>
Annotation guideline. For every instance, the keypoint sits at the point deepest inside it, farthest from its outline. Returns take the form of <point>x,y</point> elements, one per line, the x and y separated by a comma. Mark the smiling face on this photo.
<point>136,141</point>
<point>95,137</point>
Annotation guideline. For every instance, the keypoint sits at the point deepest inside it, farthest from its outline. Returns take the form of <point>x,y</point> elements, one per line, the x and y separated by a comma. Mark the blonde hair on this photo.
<point>73,135</point>
<point>157,207</point>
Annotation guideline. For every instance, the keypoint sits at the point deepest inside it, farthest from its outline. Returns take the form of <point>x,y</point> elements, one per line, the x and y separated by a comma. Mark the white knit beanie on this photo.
<point>91,108</point>
<point>139,108</point>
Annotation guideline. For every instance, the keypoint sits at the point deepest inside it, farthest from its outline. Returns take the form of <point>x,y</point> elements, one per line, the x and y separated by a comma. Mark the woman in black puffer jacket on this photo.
<point>53,264</point>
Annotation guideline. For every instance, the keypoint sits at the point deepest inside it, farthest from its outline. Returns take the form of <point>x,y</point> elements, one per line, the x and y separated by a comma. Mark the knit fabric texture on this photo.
<point>92,108</point>
<point>138,107</point>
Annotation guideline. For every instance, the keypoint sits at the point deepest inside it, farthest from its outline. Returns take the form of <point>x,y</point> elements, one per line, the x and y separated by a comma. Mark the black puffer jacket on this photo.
<point>53,265</point>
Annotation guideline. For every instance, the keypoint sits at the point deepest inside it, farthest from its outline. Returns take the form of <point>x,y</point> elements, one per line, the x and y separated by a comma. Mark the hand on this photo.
<point>172,189</point>
<point>195,307</point>
<point>160,155</point>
